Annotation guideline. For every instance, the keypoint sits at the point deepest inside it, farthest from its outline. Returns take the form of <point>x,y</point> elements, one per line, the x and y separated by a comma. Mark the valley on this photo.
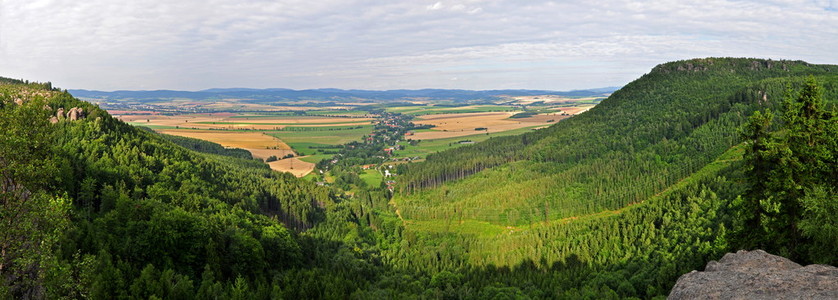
<point>520,197</point>
<point>418,150</point>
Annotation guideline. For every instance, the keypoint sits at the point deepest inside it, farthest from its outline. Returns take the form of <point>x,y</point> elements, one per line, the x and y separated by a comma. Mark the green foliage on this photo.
<point>819,223</point>
<point>647,136</point>
<point>614,203</point>
<point>32,214</point>
<point>792,178</point>
<point>148,216</point>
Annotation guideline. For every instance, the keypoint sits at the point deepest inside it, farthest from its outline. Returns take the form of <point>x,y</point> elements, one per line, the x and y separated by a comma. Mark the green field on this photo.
<point>372,177</point>
<point>304,142</point>
<point>315,158</point>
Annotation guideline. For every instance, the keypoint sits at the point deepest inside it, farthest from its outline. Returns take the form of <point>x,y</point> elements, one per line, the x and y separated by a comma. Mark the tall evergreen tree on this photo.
<point>792,174</point>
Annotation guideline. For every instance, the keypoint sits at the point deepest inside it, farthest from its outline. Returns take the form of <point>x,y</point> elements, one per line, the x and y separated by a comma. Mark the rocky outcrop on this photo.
<point>75,113</point>
<point>757,275</point>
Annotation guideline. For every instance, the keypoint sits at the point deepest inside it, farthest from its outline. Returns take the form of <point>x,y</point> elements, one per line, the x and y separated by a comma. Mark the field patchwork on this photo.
<point>465,124</point>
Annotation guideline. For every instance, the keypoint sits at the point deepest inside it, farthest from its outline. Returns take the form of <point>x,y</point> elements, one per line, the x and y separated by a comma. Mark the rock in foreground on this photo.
<point>757,275</point>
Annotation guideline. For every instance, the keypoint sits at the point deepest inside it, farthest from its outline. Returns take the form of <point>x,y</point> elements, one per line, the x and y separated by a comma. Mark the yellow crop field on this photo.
<point>259,144</point>
<point>463,124</point>
<point>292,165</point>
<point>236,139</point>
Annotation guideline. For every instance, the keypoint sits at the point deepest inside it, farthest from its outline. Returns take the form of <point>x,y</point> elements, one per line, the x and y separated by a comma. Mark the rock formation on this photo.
<point>75,113</point>
<point>757,275</point>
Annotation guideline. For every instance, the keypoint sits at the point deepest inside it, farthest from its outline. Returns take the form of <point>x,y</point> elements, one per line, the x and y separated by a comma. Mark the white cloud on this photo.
<point>192,44</point>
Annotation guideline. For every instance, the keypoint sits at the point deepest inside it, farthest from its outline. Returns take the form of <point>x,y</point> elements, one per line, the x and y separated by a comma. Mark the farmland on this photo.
<point>300,136</point>
<point>305,136</point>
<point>465,124</point>
<point>422,148</point>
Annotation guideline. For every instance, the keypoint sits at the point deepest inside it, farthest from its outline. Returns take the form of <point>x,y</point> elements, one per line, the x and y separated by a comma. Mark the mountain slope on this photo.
<point>617,202</point>
<point>643,138</point>
<point>145,212</point>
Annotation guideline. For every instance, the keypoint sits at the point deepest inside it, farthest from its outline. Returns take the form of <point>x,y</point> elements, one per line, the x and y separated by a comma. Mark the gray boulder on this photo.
<point>757,275</point>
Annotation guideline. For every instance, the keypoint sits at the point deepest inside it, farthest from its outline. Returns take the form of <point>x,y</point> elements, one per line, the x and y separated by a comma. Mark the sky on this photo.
<point>388,44</point>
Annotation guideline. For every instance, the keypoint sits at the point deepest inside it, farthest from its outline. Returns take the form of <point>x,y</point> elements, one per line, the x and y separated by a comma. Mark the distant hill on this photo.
<point>278,94</point>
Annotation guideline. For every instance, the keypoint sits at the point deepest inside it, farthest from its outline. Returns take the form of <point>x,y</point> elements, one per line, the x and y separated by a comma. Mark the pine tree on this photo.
<point>792,176</point>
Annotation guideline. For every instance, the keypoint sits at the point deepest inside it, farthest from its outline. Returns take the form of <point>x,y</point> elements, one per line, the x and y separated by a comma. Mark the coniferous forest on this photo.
<point>695,159</point>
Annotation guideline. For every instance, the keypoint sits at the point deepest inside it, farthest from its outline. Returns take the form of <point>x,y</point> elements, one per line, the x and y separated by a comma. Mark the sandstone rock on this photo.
<point>757,275</point>
<point>60,113</point>
<point>75,113</point>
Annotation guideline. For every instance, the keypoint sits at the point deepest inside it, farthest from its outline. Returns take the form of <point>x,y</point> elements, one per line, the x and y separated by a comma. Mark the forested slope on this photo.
<point>147,216</point>
<point>645,137</point>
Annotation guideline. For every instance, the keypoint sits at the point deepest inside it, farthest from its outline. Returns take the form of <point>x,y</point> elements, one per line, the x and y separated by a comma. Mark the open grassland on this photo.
<point>465,124</point>
<point>372,177</point>
<point>308,142</point>
<point>315,158</point>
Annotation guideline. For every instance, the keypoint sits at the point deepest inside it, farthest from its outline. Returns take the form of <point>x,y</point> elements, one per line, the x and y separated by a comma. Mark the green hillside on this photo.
<point>666,174</point>
<point>144,214</point>
<point>646,137</point>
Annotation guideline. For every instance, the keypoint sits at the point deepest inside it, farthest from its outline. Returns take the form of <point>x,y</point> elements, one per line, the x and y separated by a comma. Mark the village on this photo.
<point>374,154</point>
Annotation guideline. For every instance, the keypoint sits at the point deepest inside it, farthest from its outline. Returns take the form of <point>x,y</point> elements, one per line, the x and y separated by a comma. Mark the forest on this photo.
<point>692,160</point>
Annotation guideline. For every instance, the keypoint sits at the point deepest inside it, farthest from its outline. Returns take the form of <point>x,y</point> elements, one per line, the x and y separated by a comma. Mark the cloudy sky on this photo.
<point>386,44</point>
